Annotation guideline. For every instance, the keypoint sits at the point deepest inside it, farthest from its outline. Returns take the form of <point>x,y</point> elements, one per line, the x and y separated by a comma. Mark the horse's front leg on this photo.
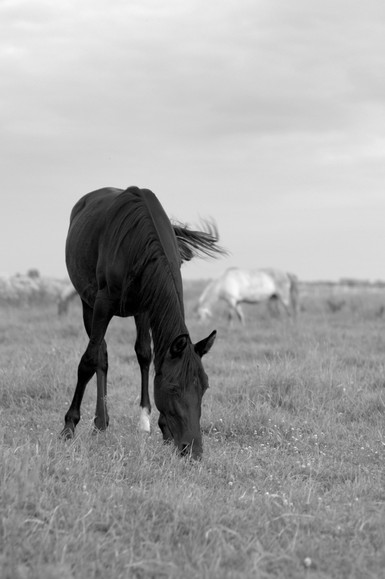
<point>143,354</point>
<point>93,360</point>
<point>240,315</point>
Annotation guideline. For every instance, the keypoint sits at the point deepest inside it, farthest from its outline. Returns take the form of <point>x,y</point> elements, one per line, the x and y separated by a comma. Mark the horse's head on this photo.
<point>180,384</point>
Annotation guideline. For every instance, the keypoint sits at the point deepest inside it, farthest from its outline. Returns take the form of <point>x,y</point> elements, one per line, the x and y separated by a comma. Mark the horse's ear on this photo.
<point>204,346</point>
<point>178,345</point>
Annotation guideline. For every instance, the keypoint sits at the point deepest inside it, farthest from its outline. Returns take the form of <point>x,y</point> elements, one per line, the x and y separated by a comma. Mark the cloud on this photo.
<point>195,69</point>
<point>246,110</point>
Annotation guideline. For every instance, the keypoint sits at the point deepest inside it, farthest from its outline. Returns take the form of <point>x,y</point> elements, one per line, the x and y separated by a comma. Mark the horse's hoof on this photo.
<point>98,429</point>
<point>67,433</point>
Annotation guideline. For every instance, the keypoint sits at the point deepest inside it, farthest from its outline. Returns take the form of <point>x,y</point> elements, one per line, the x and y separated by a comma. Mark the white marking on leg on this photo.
<point>144,421</point>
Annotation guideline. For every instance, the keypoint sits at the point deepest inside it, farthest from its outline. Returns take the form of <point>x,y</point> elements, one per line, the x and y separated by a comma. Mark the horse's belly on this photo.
<point>257,295</point>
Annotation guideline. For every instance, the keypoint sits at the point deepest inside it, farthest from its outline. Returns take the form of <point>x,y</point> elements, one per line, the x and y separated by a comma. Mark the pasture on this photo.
<point>292,480</point>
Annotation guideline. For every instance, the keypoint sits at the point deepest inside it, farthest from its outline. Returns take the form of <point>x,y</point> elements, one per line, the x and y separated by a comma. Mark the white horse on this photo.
<point>68,294</point>
<point>236,286</point>
<point>30,288</point>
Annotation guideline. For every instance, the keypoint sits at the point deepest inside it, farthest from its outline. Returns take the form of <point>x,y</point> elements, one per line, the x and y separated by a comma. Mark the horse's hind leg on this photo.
<point>93,360</point>
<point>143,354</point>
<point>101,419</point>
<point>272,305</point>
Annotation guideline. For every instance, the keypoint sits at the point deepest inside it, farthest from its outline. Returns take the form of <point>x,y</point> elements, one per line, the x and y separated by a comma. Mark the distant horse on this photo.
<point>236,286</point>
<point>66,296</point>
<point>123,256</point>
<point>30,288</point>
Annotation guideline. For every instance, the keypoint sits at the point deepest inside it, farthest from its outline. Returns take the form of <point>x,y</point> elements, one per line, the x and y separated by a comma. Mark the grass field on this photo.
<point>292,482</point>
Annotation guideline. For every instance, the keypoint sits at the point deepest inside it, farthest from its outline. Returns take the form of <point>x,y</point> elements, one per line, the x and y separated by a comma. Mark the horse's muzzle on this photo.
<point>191,450</point>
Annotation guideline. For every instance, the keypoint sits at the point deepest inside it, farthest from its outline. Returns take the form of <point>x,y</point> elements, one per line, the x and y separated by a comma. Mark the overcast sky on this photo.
<point>265,115</point>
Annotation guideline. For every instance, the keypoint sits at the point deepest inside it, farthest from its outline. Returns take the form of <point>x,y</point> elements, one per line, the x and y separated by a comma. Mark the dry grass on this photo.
<point>292,483</point>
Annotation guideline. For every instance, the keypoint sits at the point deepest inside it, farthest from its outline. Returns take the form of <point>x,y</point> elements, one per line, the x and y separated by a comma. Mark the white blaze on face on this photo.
<point>144,421</point>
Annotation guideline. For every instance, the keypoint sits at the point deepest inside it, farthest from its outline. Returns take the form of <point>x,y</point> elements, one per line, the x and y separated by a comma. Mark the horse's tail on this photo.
<point>294,292</point>
<point>198,243</point>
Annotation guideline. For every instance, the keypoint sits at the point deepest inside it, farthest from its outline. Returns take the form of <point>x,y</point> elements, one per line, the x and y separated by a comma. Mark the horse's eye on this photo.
<point>173,389</point>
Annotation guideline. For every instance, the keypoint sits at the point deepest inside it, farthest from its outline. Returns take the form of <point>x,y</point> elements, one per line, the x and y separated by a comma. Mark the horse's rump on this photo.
<point>114,238</point>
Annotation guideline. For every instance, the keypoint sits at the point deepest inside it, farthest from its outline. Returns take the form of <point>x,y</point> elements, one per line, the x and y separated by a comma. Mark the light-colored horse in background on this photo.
<point>236,286</point>
<point>68,294</point>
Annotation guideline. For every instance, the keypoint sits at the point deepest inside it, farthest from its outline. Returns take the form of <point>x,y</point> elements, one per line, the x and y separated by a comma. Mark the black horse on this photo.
<point>123,256</point>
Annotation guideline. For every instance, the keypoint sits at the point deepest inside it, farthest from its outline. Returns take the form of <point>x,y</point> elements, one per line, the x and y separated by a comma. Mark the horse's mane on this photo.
<point>163,300</point>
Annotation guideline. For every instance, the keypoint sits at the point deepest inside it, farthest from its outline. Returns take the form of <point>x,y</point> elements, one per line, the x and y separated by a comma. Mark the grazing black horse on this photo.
<point>123,257</point>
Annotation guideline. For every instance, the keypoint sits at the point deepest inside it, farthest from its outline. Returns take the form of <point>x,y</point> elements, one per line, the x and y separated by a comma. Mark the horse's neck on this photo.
<point>209,296</point>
